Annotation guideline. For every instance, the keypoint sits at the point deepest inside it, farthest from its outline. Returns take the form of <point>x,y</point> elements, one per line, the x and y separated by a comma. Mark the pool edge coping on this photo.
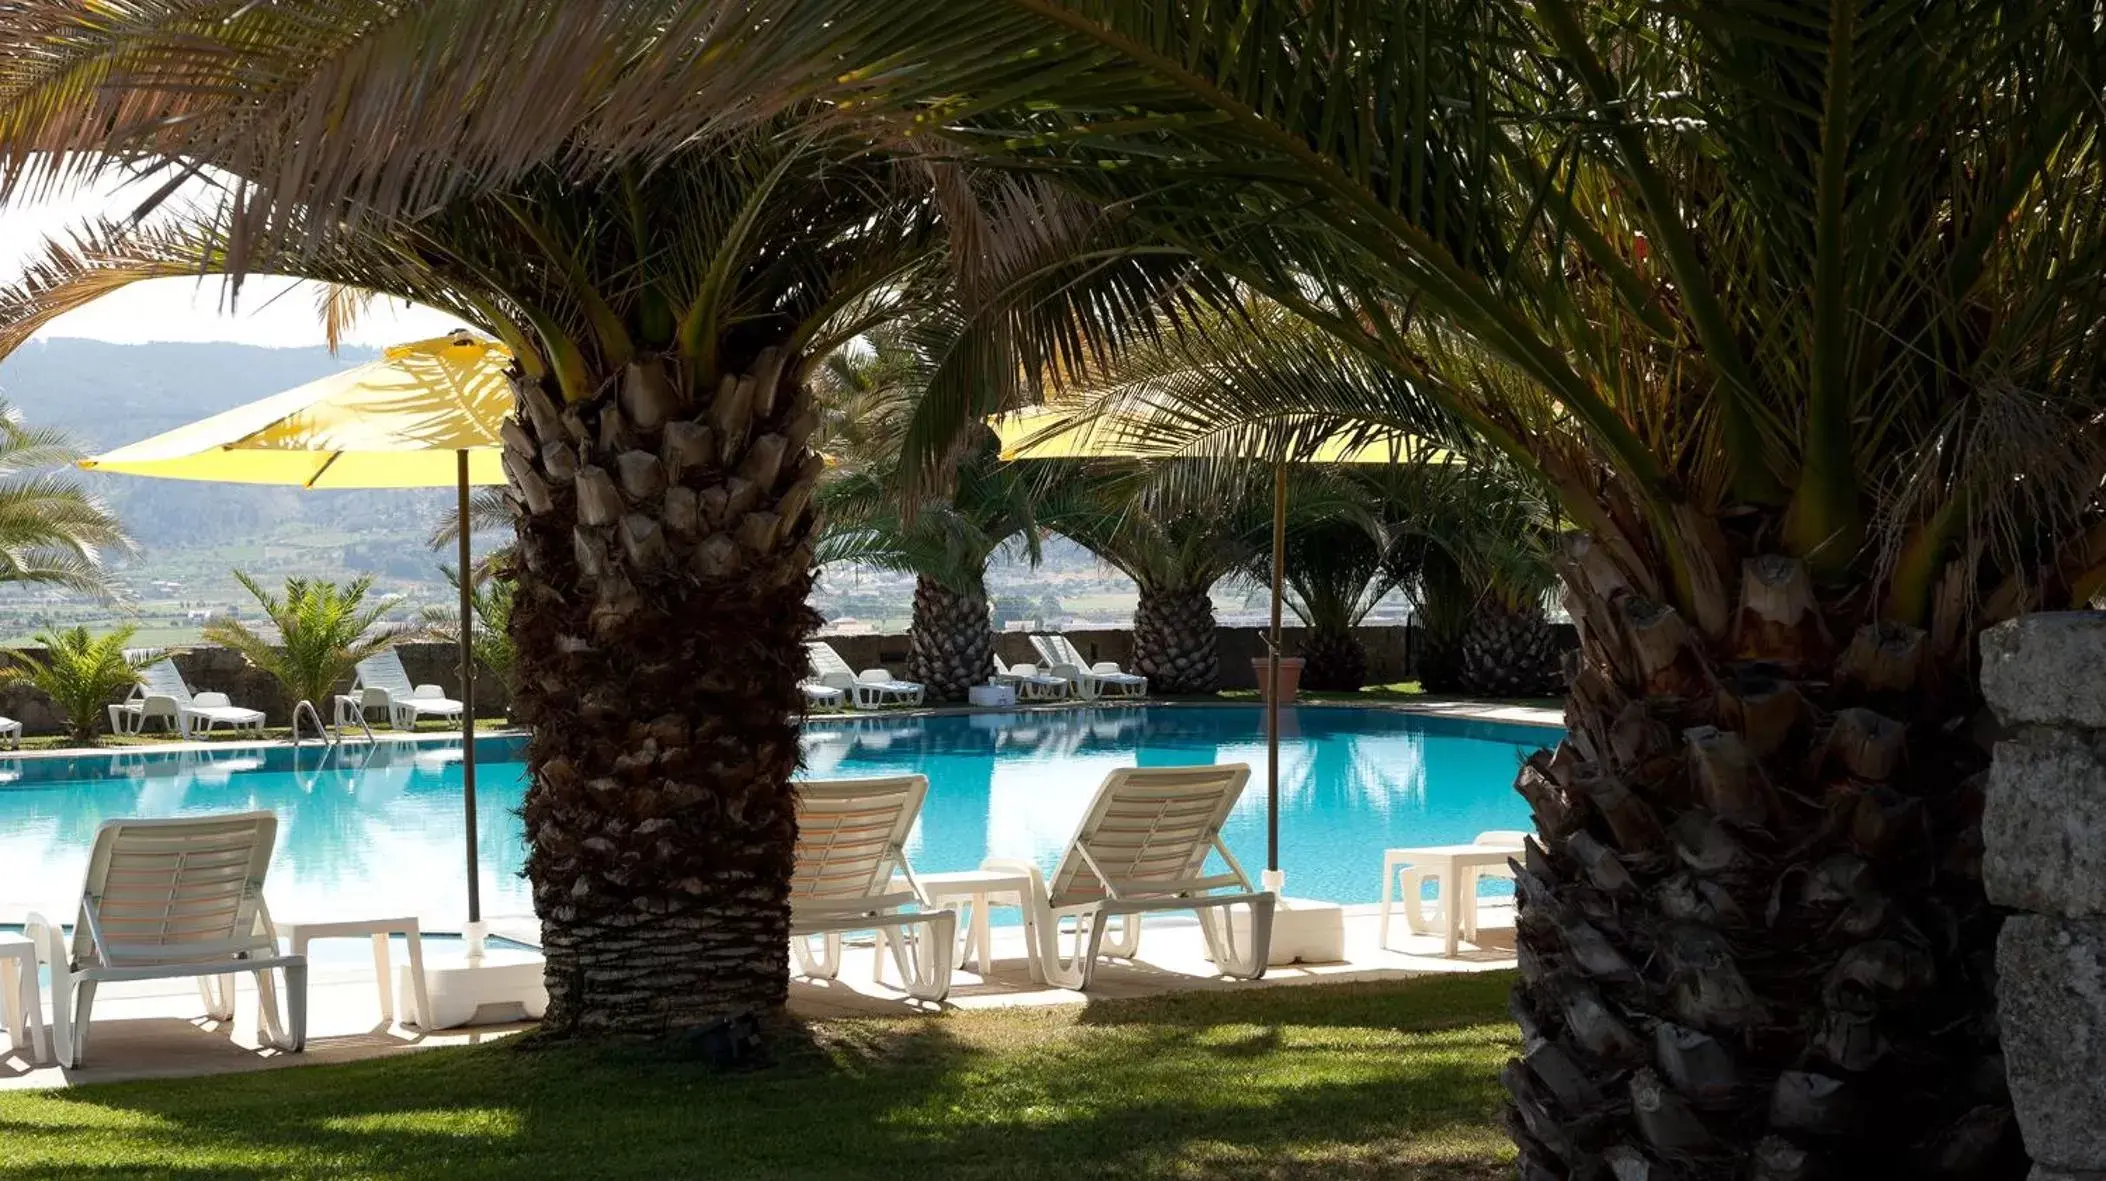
<point>1463,709</point>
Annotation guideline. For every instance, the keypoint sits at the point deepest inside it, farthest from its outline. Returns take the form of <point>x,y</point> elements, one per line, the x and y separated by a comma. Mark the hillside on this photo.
<point>192,535</point>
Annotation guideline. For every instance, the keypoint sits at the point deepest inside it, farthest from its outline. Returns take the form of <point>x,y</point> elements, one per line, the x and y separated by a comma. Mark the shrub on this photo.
<point>80,673</point>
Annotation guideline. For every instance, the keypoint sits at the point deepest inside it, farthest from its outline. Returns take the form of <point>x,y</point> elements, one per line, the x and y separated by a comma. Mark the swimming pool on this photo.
<point>366,835</point>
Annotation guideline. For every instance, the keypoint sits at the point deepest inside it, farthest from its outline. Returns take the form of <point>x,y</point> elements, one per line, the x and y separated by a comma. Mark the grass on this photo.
<point>1394,1080</point>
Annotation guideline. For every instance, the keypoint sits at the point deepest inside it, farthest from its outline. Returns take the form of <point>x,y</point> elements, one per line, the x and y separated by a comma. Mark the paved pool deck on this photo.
<point>157,1030</point>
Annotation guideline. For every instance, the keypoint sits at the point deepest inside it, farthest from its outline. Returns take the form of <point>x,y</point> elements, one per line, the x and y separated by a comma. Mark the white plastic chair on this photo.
<point>1102,679</point>
<point>1141,848</point>
<point>383,683</point>
<point>162,695</point>
<point>1031,684</point>
<point>166,899</point>
<point>851,840</point>
<point>869,688</point>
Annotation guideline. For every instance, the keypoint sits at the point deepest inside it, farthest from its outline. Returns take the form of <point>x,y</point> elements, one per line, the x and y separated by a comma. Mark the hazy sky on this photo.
<point>269,311</point>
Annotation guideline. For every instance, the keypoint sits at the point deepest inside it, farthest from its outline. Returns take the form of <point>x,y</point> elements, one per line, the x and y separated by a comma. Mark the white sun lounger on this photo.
<point>851,840</point>
<point>817,692</point>
<point>162,695</point>
<point>1141,848</point>
<point>173,898</point>
<point>1031,684</point>
<point>869,688</point>
<point>383,683</point>
<point>1102,679</point>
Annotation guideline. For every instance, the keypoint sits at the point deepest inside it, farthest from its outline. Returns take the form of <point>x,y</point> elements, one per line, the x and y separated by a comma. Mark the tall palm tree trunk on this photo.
<point>1334,660</point>
<point>1753,937</point>
<point>667,549</point>
<point>1510,652</point>
<point>950,647</point>
<point>1174,640</point>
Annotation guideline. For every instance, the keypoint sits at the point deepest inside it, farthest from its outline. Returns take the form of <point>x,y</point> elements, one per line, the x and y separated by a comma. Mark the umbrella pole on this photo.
<point>1273,878</point>
<point>474,933</point>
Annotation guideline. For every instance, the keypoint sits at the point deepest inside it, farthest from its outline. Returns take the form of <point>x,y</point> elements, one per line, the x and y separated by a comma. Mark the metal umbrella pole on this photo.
<point>1273,879</point>
<point>474,932</point>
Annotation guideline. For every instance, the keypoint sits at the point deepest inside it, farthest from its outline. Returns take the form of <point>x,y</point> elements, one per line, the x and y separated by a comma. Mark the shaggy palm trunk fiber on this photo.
<point>1752,932</point>
<point>665,557</point>
<point>1333,661</point>
<point>950,646</point>
<point>1173,640</point>
<point>1439,666</point>
<point>1510,652</point>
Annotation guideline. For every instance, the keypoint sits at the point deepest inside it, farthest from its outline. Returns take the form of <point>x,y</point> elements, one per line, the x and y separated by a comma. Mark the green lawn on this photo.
<point>1393,1080</point>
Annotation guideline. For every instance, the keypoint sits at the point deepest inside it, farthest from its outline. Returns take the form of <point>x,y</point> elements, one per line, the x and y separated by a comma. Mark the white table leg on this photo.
<point>1451,902</point>
<point>11,1001</point>
<point>1389,900</point>
<point>983,934</point>
<point>33,1012</point>
<point>383,978</point>
<point>422,1017</point>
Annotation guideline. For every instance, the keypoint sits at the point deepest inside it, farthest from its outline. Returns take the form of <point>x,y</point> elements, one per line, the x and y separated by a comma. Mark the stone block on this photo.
<point>2051,1005</point>
<point>2046,669</point>
<point>2044,824</point>
<point>2044,1173</point>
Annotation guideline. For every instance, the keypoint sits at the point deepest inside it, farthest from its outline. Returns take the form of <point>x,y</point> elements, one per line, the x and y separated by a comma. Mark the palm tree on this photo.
<point>1175,543</point>
<point>1340,562</point>
<point>945,537</point>
<point>668,258</point>
<point>1792,309</point>
<point>323,631</point>
<point>490,638</point>
<point>52,530</point>
<point>490,509</point>
<point>80,674</point>
<point>1482,573</point>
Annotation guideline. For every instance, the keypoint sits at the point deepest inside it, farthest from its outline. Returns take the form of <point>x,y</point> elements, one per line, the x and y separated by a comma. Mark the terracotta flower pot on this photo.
<point>1290,677</point>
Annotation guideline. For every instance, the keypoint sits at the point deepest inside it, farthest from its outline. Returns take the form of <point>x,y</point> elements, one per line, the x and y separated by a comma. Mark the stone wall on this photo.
<point>2044,855</point>
<point>1392,651</point>
<point>210,669</point>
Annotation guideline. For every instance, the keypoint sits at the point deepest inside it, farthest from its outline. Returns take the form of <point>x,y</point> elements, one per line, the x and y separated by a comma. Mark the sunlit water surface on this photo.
<point>374,836</point>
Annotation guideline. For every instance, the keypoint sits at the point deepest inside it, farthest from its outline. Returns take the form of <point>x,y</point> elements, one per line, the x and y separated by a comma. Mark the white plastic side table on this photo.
<point>979,891</point>
<point>379,929</point>
<point>21,1001</point>
<point>1457,868</point>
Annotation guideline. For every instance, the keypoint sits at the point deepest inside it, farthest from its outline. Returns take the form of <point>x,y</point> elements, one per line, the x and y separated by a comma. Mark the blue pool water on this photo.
<point>365,836</point>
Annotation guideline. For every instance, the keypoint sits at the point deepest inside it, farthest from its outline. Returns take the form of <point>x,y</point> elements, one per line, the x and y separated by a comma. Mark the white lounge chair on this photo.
<point>820,693</point>
<point>162,695</point>
<point>1142,847</point>
<point>382,683</point>
<point>851,840</point>
<point>1031,684</point>
<point>173,898</point>
<point>869,688</point>
<point>1102,679</point>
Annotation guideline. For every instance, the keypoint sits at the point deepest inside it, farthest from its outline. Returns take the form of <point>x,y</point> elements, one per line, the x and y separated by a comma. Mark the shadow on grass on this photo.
<point>1298,1082</point>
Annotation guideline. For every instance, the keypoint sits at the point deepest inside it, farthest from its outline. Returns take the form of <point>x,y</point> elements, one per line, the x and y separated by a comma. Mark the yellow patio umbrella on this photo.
<point>425,415</point>
<point>1053,432</point>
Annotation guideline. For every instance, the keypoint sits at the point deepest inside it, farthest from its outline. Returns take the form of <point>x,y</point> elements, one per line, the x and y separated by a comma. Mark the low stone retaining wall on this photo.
<point>2044,855</point>
<point>210,669</point>
<point>1392,651</point>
